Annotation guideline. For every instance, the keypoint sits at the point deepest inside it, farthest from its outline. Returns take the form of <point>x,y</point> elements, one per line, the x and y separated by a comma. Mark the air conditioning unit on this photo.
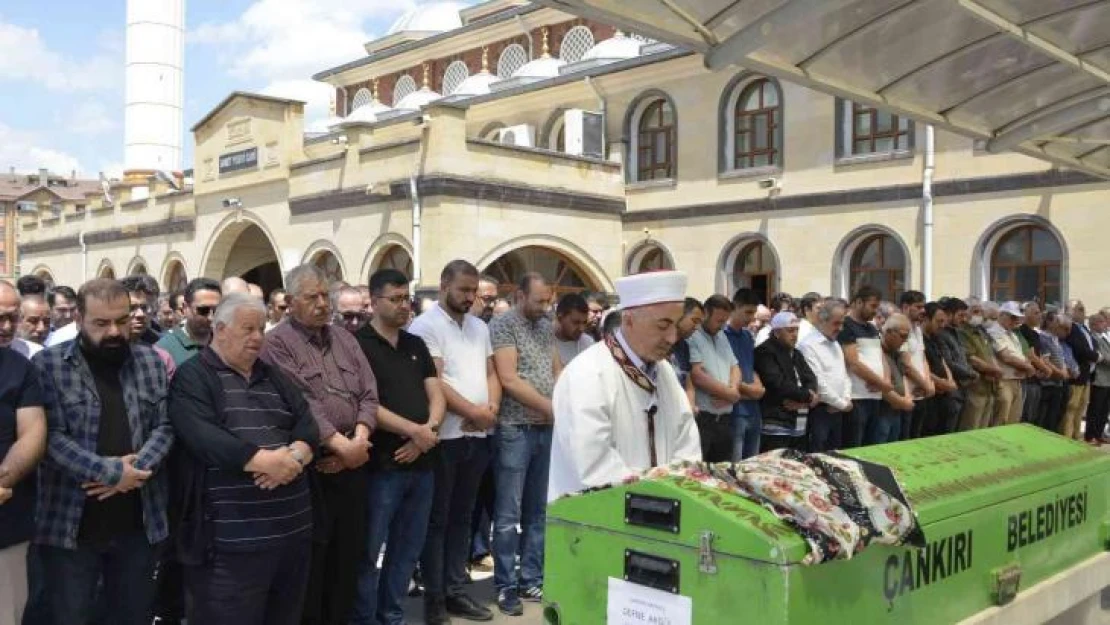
<point>583,133</point>
<point>523,135</point>
<point>27,207</point>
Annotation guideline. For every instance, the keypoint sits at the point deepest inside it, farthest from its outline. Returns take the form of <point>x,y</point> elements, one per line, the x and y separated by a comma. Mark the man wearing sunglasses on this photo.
<point>202,296</point>
<point>349,311</point>
<point>276,309</point>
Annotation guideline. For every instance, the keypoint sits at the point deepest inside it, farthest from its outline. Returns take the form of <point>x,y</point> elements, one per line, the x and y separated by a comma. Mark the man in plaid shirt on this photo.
<point>102,496</point>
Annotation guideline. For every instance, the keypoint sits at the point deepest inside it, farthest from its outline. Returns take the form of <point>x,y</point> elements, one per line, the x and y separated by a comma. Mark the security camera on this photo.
<point>232,202</point>
<point>771,184</point>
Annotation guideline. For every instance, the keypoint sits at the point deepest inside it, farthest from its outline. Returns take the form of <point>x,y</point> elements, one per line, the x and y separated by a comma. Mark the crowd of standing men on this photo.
<point>209,456</point>
<point>825,373</point>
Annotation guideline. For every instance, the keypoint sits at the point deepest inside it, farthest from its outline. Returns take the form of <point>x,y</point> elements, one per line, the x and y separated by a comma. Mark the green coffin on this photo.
<point>1002,509</point>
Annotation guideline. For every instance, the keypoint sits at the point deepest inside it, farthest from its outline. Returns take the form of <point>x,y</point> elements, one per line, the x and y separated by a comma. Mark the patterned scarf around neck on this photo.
<point>640,379</point>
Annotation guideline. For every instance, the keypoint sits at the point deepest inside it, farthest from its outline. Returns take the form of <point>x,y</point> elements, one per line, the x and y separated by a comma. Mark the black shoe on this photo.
<point>435,612</point>
<point>509,603</point>
<point>463,606</point>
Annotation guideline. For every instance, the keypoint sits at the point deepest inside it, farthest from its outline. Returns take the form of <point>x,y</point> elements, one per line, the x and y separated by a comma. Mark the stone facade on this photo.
<point>266,197</point>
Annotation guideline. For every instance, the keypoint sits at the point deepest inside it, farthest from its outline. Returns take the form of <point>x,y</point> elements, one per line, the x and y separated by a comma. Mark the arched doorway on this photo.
<point>565,275</point>
<point>751,264</point>
<point>1026,265</point>
<point>176,279</point>
<point>329,264</point>
<point>244,250</point>
<point>395,257</point>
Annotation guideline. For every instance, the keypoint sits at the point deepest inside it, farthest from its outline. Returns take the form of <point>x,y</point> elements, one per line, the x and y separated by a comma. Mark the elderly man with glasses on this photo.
<point>328,366</point>
<point>202,295</point>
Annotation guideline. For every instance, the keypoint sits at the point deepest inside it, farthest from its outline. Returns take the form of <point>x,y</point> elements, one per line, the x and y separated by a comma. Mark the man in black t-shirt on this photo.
<point>22,442</point>
<point>402,483</point>
<point>864,357</point>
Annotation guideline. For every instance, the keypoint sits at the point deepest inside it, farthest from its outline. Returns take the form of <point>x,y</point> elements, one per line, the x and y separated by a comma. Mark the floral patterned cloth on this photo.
<point>832,501</point>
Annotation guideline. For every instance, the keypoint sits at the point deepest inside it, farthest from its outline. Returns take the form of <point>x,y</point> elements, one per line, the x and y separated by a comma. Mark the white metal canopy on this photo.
<point>1025,75</point>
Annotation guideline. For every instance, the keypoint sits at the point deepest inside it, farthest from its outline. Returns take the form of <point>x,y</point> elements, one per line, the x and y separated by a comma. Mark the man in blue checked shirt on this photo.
<point>102,497</point>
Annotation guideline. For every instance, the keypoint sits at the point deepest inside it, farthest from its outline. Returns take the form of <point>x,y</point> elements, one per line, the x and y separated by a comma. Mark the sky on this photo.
<point>62,68</point>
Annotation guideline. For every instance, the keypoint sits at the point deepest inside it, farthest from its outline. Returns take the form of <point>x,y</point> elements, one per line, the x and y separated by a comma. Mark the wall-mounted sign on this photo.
<point>236,161</point>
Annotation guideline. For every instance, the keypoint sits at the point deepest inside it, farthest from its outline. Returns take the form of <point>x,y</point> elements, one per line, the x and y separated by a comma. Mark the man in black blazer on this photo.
<point>1083,345</point>
<point>791,386</point>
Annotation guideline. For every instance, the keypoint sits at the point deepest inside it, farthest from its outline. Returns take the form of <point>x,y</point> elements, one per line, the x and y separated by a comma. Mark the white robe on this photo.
<point>601,427</point>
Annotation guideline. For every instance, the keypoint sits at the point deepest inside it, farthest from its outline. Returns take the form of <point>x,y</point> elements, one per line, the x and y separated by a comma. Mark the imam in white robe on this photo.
<point>601,425</point>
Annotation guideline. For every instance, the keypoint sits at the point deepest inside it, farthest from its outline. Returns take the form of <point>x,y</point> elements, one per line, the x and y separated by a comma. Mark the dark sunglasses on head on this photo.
<point>205,311</point>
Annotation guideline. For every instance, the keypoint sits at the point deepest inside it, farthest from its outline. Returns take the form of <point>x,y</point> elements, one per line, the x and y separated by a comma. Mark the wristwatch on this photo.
<point>298,455</point>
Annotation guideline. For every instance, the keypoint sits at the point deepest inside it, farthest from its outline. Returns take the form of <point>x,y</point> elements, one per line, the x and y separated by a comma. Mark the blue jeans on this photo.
<point>127,567</point>
<point>886,427</point>
<point>523,458</point>
<point>398,507</point>
<point>745,436</point>
<point>858,422</point>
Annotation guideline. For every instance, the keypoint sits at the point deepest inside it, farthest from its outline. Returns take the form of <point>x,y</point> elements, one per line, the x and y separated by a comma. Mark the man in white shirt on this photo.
<point>808,307</point>
<point>916,368</point>
<point>63,305</point>
<point>619,408</point>
<point>1015,366</point>
<point>825,357</point>
<point>460,347</point>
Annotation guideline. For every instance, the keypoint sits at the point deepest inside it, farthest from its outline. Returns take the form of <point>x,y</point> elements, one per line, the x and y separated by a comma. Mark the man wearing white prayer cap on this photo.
<point>619,408</point>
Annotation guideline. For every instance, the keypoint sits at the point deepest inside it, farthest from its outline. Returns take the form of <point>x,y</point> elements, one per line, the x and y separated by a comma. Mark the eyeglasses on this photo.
<point>352,316</point>
<point>205,311</point>
<point>140,307</point>
<point>281,308</point>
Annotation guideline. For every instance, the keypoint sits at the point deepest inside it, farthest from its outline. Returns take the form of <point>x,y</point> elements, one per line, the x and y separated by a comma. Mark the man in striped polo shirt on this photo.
<point>247,517</point>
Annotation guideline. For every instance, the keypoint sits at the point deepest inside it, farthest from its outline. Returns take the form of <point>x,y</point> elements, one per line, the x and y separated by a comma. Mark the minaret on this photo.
<point>155,88</point>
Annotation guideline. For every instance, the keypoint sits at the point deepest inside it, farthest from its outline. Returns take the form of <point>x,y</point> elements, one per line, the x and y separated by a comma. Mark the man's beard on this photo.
<point>113,350</point>
<point>458,309</point>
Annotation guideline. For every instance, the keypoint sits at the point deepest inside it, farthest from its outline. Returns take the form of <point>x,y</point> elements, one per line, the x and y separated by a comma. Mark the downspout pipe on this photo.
<point>84,256</point>
<point>927,212</point>
<point>418,208</point>
<point>602,104</point>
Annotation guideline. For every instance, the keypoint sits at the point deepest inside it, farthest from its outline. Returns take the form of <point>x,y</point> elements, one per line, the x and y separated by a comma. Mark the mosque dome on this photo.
<point>617,47</point>
<point>546,66</point>
<point>475,85</point>
<point>418,99</point>
<point>368,113</point>
<point>430,17</point>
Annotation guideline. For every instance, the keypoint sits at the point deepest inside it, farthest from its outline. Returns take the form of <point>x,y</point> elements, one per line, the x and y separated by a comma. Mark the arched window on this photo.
<point>653,141</point>
<point>879,261</point>
<point>1026,264</point>
<point>562,273</point>
<point>756,125</point>
<point>396,257</point>
<point>575,44</point>
<point>453,76</point>
<point>362,98</point>
<point>556,135</point>
<point>329,264</point>
<point>867,130</point>
<point>650,258</point>
<point>754,267</point>
<point>512,58</point>
<point>405,85</point>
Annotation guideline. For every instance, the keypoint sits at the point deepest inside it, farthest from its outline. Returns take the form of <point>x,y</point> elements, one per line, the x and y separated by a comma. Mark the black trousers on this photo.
<point>1097,410</point>
<point>825,429</point>
<point>1053,401</point>
<point>715,432</point>
<point>336,551</point>
<point>262,587</point>
<point>481,522</point>
<point>459,468</point>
